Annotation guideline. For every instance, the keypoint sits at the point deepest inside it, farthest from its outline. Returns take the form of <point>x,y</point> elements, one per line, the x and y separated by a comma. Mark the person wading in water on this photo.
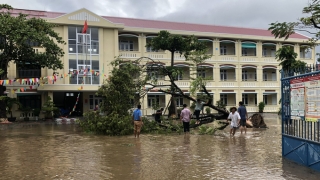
<point>244,116</point>
<point>235,120</point>
<point>137,121</point>
<point>185,117</point>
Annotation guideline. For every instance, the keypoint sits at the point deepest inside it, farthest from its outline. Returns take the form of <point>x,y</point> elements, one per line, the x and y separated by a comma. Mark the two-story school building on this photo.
<point>242,67</point>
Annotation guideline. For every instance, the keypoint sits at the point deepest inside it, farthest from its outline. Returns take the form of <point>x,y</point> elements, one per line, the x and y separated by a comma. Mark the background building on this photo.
<point>243,66</point>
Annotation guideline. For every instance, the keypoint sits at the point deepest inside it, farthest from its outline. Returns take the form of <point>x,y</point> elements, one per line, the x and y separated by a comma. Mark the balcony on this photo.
<point>249,49</point>
<point>30,73</point>
<point>128,54</point>
<point>129,46</point>
<point>249,84</point>
<point>228,84</point>
<point>88,80</point>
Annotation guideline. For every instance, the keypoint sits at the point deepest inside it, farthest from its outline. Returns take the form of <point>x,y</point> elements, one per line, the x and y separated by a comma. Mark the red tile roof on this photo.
<point>165,25</point>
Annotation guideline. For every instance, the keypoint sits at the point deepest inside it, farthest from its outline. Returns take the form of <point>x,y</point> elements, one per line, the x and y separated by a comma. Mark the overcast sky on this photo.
<point>244,13</point>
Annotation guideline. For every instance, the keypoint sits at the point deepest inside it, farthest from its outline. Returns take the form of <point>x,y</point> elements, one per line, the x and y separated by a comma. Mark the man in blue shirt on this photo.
<point>137,121</point>
<point>243,117</point>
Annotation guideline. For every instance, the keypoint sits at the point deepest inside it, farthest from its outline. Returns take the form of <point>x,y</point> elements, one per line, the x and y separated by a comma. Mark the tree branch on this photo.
<point>305,31</point>
<point>314,23</point>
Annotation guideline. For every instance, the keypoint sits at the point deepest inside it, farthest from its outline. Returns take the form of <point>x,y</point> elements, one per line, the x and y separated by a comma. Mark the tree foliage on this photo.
<point>122,87</point>
<point>187,46</point>
<point>305,24</point>
<point>287,58</point>
<point>18,36</point>
<point>117,92</point>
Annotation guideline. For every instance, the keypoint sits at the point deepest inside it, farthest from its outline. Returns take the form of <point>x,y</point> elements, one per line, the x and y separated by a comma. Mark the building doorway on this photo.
<point>66,101</point>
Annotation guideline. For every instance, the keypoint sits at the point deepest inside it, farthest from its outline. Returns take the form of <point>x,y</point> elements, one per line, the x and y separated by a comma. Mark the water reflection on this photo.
<point>63,152</point>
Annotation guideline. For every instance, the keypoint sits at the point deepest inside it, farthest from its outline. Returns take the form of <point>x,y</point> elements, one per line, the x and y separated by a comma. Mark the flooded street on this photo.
<point>64,152</point>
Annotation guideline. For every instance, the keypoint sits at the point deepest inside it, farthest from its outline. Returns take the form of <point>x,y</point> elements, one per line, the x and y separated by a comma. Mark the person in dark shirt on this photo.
<point>158,115</point>
<point>243,117</point>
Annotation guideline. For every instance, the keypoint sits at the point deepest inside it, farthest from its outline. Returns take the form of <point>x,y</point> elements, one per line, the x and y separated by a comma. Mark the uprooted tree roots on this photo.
<point>256,121</point>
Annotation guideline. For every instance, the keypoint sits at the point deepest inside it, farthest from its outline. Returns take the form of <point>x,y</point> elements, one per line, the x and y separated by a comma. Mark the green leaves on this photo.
<point>19,34</point>
<point>176,43</point>
<point>305,24</point>
<point>282,30</point>
<point>287,58</point>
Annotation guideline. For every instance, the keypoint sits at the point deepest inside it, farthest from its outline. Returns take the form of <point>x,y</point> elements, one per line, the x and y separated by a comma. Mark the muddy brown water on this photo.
<point>46,151</point>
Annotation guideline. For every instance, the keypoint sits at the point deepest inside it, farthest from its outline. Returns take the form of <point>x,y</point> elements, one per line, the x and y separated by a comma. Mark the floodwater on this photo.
<point>43,151</point>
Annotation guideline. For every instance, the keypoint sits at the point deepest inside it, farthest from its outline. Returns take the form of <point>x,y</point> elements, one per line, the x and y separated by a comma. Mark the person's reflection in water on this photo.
<point>137,156</point>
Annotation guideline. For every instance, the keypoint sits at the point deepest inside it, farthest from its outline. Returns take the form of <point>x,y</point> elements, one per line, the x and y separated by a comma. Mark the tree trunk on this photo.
<point>172,108</point>
<point>3,112</point>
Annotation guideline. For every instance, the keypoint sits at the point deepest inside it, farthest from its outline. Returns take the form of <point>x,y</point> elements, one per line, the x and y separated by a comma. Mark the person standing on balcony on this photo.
<point>235,120</point>
<point>244,116</point>
<point>198,109</point>
<point>185,117</point>
<point>137,121</point>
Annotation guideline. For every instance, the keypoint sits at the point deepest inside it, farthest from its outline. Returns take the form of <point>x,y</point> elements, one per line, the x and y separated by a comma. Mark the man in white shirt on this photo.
<point>198,109</point>
<point>235,120</point>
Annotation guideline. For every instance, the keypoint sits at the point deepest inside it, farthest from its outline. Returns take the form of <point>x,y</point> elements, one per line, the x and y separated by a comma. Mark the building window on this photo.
<point>32,101</point>
<point>154,74</point>
<point>265,76</point>
<point>244,75</point>
<point>179,77</point>
<point>255,99</point>
<point>264,52</point>
<point>126,45</point>
<point>245,99</point>
<point>83,70</point>
<point>265,99</point>
<point>153,100</point>
<point>94,100</point>
<point>179,101</point>
<point>202,73</point>
<point>223,74</point>
<point>224,99</point>
<point>223,50</point>
<point>244,52</point>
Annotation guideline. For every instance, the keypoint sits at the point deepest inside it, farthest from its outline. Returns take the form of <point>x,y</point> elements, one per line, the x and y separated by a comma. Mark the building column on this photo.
<point>238,48</point>
<point>216,47</point>
<point>144,105</point>
<point>297,50</point>
<point>216,73</point>
<point>238,71</point>
<point>66,60</point>
<point>101,47</point>
<point>167,100</point>
<point>142,42</point>
<point>259,49</point>
<point>278,46</point>
<point>259,96</point>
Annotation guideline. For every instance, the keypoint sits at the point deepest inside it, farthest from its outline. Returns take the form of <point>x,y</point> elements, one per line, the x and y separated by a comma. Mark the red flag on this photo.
<point>85,27</point>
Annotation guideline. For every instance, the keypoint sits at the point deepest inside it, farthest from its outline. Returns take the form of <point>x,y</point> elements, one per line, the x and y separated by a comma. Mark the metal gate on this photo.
<point>300,134</point>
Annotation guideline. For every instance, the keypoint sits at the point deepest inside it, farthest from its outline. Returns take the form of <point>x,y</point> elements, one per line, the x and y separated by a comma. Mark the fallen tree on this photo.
<point>198,84</point>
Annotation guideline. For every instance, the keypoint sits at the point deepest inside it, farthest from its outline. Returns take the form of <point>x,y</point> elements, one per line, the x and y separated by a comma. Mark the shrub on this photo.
<point>204,129</point>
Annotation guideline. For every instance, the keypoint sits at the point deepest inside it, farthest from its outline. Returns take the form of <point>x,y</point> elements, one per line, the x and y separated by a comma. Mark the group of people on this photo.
<point>238,117</point>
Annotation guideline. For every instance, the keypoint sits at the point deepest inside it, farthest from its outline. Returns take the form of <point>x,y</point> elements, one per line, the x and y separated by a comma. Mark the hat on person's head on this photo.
<point>233,108</point>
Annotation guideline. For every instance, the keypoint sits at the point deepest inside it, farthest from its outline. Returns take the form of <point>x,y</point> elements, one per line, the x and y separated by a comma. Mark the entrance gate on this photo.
<point>300,105</point>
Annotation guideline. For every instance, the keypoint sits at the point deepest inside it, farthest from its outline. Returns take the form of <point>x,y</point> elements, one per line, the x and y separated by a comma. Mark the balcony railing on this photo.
<point>30,73</point>
<point>86,80</point>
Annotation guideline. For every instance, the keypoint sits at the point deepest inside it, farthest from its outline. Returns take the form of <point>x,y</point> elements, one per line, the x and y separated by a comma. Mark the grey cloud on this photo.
<point>245,13</point>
